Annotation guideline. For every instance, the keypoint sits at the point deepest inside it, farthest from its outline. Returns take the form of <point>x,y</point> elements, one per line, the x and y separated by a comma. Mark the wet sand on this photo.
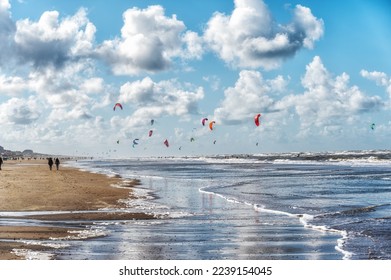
<point>29,185</point>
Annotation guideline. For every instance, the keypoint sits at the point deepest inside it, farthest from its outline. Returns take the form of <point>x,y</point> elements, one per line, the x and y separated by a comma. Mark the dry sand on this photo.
<point>29,185</point>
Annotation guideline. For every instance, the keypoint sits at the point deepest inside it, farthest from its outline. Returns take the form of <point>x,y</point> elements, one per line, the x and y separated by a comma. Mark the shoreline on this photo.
<point>29,186</point>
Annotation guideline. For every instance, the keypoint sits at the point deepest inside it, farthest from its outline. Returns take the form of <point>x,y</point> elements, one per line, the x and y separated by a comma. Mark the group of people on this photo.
<point>51,162</point>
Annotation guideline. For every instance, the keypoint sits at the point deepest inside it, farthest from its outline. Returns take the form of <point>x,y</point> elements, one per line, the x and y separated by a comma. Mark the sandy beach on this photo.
<point>29,185</point>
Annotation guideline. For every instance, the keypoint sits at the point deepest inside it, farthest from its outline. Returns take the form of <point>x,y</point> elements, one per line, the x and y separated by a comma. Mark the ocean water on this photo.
<point>307,206</point>
<point>266,206</point>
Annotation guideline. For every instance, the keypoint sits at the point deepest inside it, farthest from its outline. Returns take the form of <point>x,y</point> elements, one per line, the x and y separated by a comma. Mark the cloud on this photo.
<point>71,93</point>
<point>54,86</point>
<point>62,77</point>
<point>194,46</point>
<point>214,81</point>
<point>12,85</point>
<point>155,99</point>
<point>250,38</point>
<point>149,42</point>
<point>7,26</point>
<point>381,79</point>
<point>306,27</point>
<point>53,42</point>
<point>20,111</point>
<point>61,115</point>
<point>328,104</point>
<point>4,5</point>
<point>7,29</point>
<point>250,95</point>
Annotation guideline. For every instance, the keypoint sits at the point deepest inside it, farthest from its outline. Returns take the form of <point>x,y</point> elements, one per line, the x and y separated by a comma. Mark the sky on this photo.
<point>318,72</point>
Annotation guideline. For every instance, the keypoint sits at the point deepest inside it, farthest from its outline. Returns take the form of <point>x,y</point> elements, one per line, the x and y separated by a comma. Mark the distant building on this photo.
<point>28,153</point>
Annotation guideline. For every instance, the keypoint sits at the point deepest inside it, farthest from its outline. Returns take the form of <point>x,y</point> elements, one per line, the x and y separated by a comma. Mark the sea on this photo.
<point>285,206</point>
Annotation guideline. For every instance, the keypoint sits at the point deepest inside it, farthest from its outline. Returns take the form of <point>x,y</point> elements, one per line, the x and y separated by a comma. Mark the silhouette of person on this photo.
<point>1,162</point>
<point>50,162</point>
<point>57,162</point>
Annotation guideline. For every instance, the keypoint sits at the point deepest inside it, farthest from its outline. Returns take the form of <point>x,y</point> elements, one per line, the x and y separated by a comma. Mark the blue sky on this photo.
<point>317,71</point>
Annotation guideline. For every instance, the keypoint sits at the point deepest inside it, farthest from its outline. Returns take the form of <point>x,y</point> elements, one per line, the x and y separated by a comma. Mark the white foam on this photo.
<point>89,233</point>
<point>305,219</point>
<point>46,244</point>
<point>94,231</point>
<point>262,208</point>
<point>340,245</point>
<point>256,207</point>
<point>32,255</point>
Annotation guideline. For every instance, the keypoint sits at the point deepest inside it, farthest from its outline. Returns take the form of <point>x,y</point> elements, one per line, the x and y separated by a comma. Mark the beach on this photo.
<point>29,186</point>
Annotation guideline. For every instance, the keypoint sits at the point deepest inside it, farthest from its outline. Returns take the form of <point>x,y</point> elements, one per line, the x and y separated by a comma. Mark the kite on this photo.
<point>211,125</point>
<point>135,142</point>
<point>373,126</point>
<point>166,143</point>
<point>150,133</point>
<point>192,139</point>
<point>117,105</point>
<point>152,122</point>
<point>203,121</point>
<point>256,119</point>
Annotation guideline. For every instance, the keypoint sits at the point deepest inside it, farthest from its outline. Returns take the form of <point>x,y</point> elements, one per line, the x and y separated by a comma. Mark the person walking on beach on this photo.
<point>50,162</point>
<point>1,162</point>
<point>57,162</point>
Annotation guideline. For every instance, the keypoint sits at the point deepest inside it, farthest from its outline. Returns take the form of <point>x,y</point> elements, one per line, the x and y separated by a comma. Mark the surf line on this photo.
<point>303,218</point>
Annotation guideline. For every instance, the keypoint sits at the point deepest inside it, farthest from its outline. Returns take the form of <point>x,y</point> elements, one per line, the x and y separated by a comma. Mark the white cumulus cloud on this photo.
<point>250,38</point>
<point>251,95</point>
<point>381,79</point>
<point>155,99</point>
<point>20,111</point>
<point>51,41</point>
<point>149,42</point>
<point>329,103</point>
<point>7,29</point>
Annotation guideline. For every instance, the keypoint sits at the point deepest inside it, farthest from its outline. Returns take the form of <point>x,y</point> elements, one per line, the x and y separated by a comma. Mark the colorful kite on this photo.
<point>117,105</point>
<point>256,119</point>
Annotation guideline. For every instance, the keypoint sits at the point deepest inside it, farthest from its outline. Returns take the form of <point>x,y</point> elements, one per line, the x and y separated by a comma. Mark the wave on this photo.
<point>355,211</point>
<point>304,219</point>
<point>350,157</point>
<point>356,158</point>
